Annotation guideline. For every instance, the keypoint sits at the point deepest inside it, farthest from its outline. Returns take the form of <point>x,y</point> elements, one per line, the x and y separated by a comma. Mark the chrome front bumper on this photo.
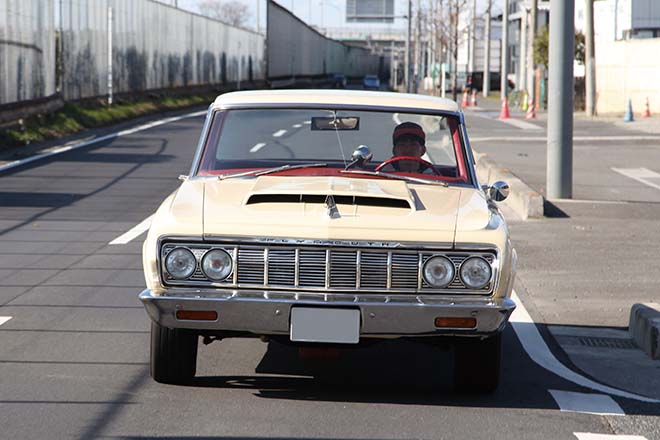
<point>267,312</point>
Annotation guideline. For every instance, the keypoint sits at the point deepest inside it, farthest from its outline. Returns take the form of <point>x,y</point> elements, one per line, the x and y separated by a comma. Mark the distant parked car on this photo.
<point>339,81</point>
<point>371,82</point>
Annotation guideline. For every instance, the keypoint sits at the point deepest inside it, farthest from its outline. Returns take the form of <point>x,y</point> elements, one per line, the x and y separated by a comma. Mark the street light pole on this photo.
<point>559,183</point>
<point>408,49</point>
<point>504,63</point>
<point>590,61</point>
<point>486,75</point>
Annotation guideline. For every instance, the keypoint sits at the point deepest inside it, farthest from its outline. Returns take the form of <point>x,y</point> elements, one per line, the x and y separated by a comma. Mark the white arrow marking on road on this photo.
<point>538,351</point>
<point>640,174</point>
<point>4,319</point>
<point>592,436</point>
<point>279,133</point>
<point>599,404</point>
<point>257,147</point>
<point>133,232</point>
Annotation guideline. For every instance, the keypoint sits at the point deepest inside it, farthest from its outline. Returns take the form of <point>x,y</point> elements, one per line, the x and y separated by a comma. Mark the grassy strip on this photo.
<point>73,118</point>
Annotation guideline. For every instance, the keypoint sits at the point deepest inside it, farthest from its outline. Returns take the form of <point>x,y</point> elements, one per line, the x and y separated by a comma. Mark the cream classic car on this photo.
<point>318,217</point>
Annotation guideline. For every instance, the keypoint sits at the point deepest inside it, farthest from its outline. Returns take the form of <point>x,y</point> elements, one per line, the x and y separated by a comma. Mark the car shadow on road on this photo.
<point>395,372</point>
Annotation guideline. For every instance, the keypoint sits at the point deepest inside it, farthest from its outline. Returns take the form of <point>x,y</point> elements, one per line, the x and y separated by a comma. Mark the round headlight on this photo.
<point>180,263</point>
<point>217,264</point>
<point>438,271</point>
<point>475,272</point>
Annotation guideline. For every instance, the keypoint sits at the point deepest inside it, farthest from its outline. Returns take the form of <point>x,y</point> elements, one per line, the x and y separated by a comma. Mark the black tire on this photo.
<point>173,354</point>
<point>477,364</point>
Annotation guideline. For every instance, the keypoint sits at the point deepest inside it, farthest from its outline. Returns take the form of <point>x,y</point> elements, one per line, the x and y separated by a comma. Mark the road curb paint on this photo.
<point>599,404</point>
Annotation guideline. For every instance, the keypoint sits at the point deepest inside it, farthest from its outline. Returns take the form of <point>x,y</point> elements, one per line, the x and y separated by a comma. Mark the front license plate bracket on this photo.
<point>328,325</point>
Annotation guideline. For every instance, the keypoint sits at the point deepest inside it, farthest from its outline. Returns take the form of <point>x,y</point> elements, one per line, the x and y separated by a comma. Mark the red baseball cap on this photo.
<point>409,129</point>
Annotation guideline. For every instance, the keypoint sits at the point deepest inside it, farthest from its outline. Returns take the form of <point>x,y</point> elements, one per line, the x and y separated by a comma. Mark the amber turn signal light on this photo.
<point>455,322</point>
<point>196,315</point>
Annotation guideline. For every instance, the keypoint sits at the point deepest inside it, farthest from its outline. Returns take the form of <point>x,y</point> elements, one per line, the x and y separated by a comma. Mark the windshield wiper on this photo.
<point>255,173</point>
<point>396,176</point>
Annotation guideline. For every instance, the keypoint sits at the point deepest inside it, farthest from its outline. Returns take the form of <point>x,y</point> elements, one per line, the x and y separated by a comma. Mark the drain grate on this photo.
<point>587,341</point>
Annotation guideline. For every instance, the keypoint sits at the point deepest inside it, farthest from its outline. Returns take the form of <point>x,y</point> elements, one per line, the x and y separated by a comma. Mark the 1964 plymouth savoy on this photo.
<point>317,217</point>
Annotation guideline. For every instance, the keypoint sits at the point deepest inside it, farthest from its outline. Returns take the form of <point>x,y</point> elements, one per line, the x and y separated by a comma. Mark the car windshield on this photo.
<point>426,146</point>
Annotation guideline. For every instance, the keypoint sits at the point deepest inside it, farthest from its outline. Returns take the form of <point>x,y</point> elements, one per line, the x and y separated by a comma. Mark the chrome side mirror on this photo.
<point>360,156</point>
<point>498,191</point>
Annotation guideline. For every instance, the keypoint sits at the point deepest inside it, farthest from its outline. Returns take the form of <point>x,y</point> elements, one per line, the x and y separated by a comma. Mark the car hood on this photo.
<point>340,208</point>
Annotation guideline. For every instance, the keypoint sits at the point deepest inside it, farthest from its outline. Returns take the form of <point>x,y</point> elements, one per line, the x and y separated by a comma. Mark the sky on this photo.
<point>321,13</point>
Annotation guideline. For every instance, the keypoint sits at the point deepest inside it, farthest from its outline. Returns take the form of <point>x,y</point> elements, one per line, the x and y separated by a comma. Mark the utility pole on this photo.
<point>454,23</point>
<point>259,18</point>
<point>473,38</point>
<point>531,65</point>
<point>559,183</point>
<point>522,71</point>
<point>408,73</point>
<point>110,55</point>
<point>486,75</point>
<point>418,46</point>
<point>590,60</point>
<point>504,63</point>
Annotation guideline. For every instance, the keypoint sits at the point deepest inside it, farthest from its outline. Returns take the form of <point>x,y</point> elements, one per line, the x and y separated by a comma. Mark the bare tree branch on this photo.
<point>229,11</point>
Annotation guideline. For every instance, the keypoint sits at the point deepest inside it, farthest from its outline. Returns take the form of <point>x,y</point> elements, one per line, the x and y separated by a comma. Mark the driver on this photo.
<point>408,139</point>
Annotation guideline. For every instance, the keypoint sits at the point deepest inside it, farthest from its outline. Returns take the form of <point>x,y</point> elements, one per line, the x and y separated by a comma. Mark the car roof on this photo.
<point>339,98</point>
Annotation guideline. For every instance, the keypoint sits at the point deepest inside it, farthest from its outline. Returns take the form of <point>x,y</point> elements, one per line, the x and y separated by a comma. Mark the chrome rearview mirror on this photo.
<point>498,191</point>
<point>360,156</point>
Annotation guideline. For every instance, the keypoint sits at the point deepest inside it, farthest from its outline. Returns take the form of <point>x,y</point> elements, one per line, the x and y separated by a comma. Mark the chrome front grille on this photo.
<point>327,268</point>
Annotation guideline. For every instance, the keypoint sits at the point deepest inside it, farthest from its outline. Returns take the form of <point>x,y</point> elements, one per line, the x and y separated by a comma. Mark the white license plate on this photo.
<point>340,326</point>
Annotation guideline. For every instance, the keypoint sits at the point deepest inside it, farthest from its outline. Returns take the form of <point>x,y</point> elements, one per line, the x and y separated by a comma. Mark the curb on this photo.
<point>526,202</point>
<point>644,327</point>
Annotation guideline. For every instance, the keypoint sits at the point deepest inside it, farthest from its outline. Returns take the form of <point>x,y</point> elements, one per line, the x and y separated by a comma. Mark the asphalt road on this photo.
<point>74,355</point>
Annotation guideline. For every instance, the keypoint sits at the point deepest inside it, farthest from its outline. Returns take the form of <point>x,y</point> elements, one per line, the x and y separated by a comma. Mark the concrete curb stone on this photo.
<point>644,327</point>
<point>526,202</point>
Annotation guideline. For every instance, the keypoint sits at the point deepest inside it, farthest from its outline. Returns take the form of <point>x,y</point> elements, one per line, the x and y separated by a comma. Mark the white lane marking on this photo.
<point>396,119</point>
<point>257,147</point>
<point>4,319</point>
<point>117,134</point>
<point>134,232</point>
<point>297,125</point>
<point>307,122</point>
<point>591,202</point>
<point>640,175</point>
<point>575,138</point>
<point>592,436</point>
<point>599,404</point>
<point>279,133</point>
<point>521,124</point>
<point>538,351</point>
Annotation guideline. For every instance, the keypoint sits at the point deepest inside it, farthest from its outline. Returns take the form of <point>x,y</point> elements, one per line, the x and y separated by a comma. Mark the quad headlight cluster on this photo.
<point>181,263</point>
<point>474,272</point>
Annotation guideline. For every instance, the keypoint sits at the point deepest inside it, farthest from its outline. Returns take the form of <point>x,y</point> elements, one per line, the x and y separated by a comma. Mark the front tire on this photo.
<point>173,354</point>
<point>477,364</point>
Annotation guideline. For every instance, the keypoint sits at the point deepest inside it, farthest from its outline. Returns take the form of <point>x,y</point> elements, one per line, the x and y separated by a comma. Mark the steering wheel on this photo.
<point>426,165</point>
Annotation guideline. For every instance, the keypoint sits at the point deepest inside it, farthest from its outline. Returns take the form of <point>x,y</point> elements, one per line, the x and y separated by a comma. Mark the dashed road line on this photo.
<point>599,404</point>
<point>279,133</point>
<point>538,351</point>
<point>296,125</point>
<point>4,319</point>
<point>641,175</point>
<point>592,436</point>
<point>64,149</point>
<point>257,147</point>
<point>307,122</point>
<point>134,232</point>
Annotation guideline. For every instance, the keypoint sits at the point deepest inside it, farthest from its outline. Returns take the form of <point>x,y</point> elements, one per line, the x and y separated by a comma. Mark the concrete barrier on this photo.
<point>522,199</point>
<point>644,327</point>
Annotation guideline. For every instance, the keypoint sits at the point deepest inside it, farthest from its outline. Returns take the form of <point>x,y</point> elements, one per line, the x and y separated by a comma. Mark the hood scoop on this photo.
<point>319,190</point>
<point>322,200</point>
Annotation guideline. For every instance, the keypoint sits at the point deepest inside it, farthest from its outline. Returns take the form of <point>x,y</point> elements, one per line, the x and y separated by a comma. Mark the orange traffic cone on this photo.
<point>531,110</point>
<point>647,109</point>
<point>465,102</point>
<point>504,113</point>
<point>473,101</point>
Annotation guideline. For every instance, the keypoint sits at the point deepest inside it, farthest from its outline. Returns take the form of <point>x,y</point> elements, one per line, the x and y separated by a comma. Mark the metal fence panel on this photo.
<point>27,50</point>
<point>155,46</point>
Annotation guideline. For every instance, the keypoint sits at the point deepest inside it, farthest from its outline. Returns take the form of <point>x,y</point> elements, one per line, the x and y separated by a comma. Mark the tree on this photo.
<point>230,11</point>
<point>541,44</point>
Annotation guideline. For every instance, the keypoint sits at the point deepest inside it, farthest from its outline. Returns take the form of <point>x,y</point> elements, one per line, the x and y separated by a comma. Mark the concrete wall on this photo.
<point>27,50</point>
<point>154,46</point>
<point>627,70</point>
